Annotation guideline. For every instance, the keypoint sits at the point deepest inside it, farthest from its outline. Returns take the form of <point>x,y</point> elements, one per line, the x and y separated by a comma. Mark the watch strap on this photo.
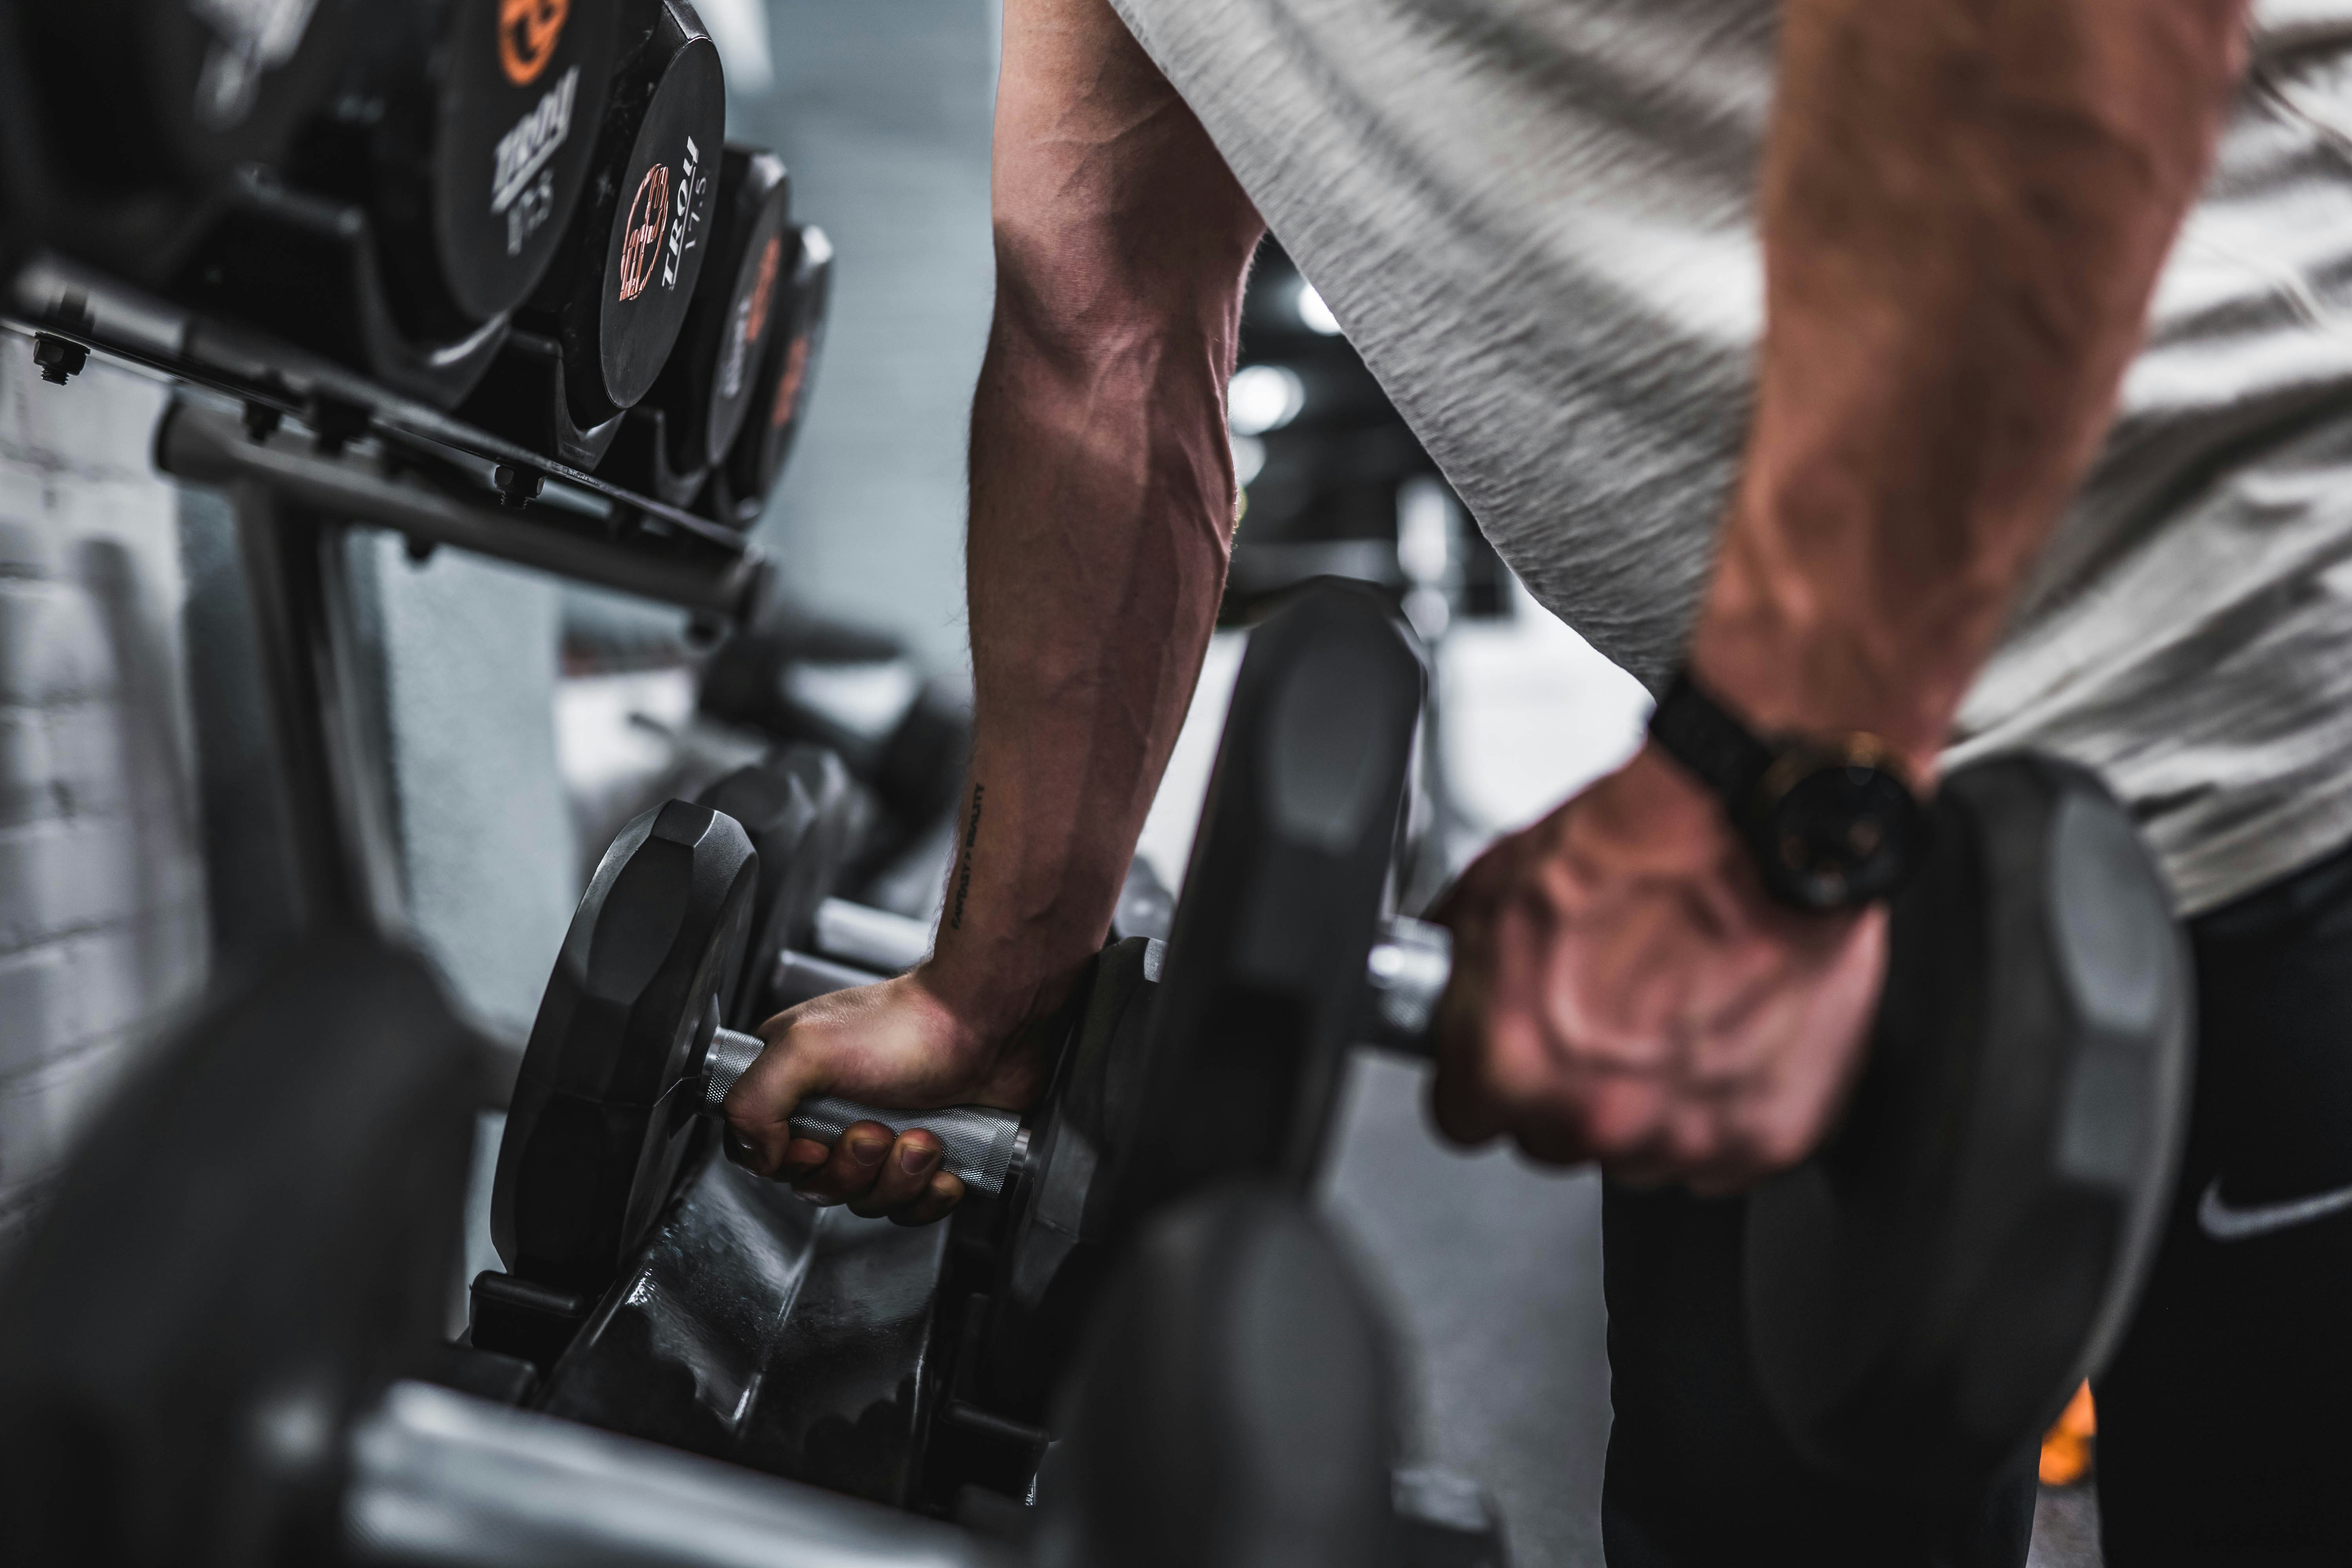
<point>1698,733</point>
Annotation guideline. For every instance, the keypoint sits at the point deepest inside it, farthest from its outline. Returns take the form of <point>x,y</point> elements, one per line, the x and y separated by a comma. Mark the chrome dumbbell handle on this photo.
<point>1406,973</point>
<point>978,1144</point>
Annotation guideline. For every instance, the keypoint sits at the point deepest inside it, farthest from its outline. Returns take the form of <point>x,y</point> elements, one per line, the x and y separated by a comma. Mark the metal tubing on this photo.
<point>871,938</point>
<point>206,446</point>
<point>346,864</point>
<point>798,977</point>
<point>441,1478</point>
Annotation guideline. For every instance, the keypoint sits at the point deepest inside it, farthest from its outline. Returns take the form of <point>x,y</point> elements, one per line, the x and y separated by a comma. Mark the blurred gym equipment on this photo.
<point>343,234</point>
<point>1333,480</point>
<point>739,481</point>
<point>818,1349</point>
<point>1926,1291</point>
<point>125,124</point>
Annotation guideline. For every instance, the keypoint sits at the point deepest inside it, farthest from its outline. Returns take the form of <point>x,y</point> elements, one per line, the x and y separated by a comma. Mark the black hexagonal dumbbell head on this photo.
<point>807,818</point>
<point>256,1240</point>
<point>1265,970</point>
<point>604,1107</point>
<point>1925,1292</point>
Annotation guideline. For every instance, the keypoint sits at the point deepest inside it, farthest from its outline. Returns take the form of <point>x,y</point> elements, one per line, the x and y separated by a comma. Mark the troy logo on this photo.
<point>641,241</point>
<point>528,30</point>
<point>689,186</point>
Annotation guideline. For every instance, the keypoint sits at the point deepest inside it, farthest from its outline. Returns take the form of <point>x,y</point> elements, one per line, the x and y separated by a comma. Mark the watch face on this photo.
<point>1840,835</point>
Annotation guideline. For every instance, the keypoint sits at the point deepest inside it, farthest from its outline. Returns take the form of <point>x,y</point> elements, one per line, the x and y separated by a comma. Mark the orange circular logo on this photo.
<point>527,33</point>
<point>641,241</point>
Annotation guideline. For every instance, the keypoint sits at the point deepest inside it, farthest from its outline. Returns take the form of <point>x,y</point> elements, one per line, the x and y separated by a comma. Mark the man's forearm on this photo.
<point>1965,209</point>
<point>1102,490</point>
<point>1099,531</point>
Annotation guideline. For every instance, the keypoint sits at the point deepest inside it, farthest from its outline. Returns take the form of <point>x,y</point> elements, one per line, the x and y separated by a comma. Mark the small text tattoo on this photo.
<point>963,877</point>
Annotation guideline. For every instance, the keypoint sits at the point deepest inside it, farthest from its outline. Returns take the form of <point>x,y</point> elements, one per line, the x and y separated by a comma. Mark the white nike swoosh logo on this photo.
<point>2224,1223</point>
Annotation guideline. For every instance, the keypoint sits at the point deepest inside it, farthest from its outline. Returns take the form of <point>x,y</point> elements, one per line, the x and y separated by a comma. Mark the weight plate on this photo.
<point>773,421</point>
<point>601,1113</point>
<point>713,374</point>
<point>1057,1235</point>
<point>658,238</point>
<point>261,1230</point>
<point>1264,974</point>
<point>521,90</point>
<point>757,250</point>
<point>1237,1403</point>
<point>1925,1292</point>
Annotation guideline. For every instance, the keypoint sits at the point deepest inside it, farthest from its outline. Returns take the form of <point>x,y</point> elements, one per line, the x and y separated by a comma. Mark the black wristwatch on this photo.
<point>1830,823</point>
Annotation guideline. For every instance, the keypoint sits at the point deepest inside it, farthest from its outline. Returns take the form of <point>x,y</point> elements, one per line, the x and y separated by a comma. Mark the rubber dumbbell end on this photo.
<point>728,1056</point>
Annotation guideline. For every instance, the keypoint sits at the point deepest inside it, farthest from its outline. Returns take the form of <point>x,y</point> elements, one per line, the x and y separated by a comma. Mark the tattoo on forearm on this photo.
<point>964,873</point>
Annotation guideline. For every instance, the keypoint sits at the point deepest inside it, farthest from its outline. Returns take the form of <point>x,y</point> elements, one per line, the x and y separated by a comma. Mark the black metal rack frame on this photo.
<point>368,456</point>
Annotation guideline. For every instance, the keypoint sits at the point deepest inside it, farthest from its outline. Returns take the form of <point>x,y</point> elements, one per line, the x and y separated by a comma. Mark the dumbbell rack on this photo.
<point>363,455</point>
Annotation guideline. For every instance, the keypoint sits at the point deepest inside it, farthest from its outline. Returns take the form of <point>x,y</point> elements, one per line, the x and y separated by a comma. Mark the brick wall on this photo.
<point>102,923</point>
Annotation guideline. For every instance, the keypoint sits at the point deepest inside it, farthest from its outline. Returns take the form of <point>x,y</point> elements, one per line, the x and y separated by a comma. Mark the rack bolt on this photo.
<point>334,422</point>
<point>60,358</point>
<point>518,488</point>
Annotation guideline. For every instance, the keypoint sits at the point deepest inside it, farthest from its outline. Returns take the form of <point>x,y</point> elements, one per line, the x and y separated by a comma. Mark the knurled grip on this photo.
<point>978,1144</point>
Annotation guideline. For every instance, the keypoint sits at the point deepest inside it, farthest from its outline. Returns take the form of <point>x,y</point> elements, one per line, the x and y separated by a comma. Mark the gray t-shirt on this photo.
<point>1536,219</point>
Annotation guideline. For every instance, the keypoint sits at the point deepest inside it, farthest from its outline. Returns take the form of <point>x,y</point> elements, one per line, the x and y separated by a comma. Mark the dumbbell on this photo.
<point>595,332</point>
<point>425,198</point>
<point>630,1047</point>
<point>123,123</point>
<point>1925,1292</point>
<point>636,249</point>
<point>465,130</point>
<point>1218,1056</point>
<point>741,480</point>
<point>627,1056</point>
<point>685,424</point>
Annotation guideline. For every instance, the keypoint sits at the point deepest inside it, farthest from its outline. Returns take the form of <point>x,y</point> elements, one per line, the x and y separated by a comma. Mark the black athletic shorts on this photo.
<point>2225,1423</point>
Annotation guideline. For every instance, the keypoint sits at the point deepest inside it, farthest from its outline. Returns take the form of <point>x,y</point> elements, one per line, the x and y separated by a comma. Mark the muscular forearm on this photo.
<point>1964,206</point>
<point>1102,491</point>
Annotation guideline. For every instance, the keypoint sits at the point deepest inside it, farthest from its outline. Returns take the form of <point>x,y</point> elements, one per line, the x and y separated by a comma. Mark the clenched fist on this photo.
<point>1625,991</point>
